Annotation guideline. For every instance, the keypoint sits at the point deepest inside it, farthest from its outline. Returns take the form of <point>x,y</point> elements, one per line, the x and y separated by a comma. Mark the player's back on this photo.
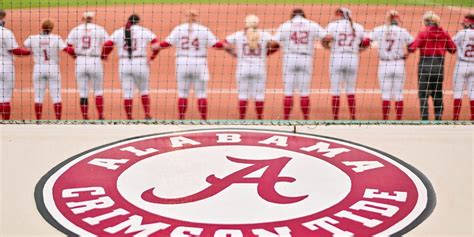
<point>88,39</point>
<point>464,40</point>
<point>45,48</point>
<point>247,55</point>
<point>392,41</point>
<point>141,36</point>
<point>191,40</point>
<point>347,38</point>
<point>7,42</point>
<point>298,35</point>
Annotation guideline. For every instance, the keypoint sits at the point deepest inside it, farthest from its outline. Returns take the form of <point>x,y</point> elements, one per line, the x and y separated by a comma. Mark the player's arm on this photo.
<point>15,49</point>
<point>416,43</point>
<point>450,45</point>
<point>365,41</point>
<point>272,47</point>
<point>66,48</point>
<point>107,48</point>
<point>155,47</point>
<point>229,46</point>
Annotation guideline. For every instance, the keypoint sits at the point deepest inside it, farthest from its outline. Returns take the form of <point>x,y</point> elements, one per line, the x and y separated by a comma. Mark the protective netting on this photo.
<point>236,62</point>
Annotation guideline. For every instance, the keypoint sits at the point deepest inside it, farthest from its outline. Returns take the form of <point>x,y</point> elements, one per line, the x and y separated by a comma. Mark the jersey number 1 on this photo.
<point>45,54</point>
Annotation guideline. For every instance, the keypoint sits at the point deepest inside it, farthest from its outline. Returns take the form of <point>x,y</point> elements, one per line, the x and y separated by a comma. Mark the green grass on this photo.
<point>13,4</point>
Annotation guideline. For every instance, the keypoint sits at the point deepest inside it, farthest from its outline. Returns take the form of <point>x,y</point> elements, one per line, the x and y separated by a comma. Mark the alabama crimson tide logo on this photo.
<point>231,183</point>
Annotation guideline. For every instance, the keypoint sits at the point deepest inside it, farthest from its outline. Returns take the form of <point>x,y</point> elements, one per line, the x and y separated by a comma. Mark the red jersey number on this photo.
<point>186,43</point>
<point>345,39</point>
<point>86,42</point>
<point>390,43</point>
<point>247,51</point>
<point>299,37</point>
<point>469,52</point>
<point>45,54</point>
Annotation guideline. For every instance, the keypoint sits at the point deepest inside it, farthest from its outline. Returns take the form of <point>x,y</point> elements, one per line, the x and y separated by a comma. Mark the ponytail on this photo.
<point>132,20</point>
<point>252,37</point>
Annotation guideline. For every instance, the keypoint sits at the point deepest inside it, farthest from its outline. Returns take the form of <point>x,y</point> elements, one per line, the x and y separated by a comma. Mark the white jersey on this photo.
<point>45,48</point>
<point>464,41</point>
<point>141,36</point>
<point>298,35</point>
<point>246,55</point>
<point>392,41</point>
<point>88,39</point>
<point>346,39</point>
<point>191,40</point>
<point>7,43</point>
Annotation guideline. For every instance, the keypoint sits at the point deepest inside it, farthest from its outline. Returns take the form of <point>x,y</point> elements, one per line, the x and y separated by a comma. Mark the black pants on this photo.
<point>430,83</point>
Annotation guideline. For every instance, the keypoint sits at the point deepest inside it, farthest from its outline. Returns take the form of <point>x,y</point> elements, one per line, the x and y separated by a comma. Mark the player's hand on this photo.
<point>103,58</point>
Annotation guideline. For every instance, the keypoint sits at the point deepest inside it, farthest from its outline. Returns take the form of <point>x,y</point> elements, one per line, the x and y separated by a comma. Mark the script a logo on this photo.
<point>265,184</point>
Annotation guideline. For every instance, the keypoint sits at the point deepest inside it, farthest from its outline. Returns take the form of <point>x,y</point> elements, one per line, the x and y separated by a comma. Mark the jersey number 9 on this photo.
<point>86,42</point>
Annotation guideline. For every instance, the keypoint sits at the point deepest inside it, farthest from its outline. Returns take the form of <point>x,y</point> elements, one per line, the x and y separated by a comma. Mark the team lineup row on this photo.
<point>90,43</point>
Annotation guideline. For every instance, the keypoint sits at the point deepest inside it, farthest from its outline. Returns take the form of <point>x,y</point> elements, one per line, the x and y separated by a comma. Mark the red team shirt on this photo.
<point>433,41</point>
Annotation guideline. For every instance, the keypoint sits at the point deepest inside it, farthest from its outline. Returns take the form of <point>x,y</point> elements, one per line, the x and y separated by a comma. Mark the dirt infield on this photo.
<point>224,20</point>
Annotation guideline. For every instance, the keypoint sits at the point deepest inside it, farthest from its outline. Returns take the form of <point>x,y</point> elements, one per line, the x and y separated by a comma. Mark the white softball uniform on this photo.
<point>87,40</point>
<point>464,71</point>
<point>192,42</point>
<point>251,71</point>
<point>392,41</point>
<point>133,69</point>
<point>298,37</point>
<point>7,68</point>
<point>45,49</point>
<point>344,55</point>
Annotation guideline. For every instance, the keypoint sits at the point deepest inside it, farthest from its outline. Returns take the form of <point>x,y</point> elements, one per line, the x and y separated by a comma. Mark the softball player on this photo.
<point>393,41</point>
<point>347,40</point>
<point>298,36</point>
<point>464,71</point>
<point>251,48</point>
<point>87,40</point>
<point>45,48</point>
<point>8,48</point>
<point>132,41</point>
<point>191,40</point>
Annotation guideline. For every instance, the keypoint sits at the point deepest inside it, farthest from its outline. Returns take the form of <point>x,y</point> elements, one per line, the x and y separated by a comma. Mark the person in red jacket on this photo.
<point>433,42</point>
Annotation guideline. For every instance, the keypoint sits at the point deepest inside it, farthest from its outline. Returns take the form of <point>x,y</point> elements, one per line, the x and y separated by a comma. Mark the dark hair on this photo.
<point>469,17</point>
<point>132,20</point>
<point>297,12</point>
<point>3,14</point>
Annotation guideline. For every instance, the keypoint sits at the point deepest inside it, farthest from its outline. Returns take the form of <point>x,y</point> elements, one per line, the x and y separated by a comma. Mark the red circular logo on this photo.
<point>234,182</point>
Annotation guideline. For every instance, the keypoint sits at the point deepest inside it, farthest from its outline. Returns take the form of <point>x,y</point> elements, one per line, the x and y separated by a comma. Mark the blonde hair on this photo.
<point>251,24</point>
<point>47,26</point>
<point>431,17</point>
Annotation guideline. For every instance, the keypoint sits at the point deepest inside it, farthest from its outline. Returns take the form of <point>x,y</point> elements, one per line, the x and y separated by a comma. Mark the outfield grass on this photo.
<point>12,4</point>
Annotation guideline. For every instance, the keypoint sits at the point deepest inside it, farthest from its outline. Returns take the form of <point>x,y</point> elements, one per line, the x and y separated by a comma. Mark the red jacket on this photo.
<point>433,41</point>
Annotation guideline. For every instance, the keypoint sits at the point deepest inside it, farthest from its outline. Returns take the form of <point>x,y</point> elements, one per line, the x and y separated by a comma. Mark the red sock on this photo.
<point>352,105</point>
<point>242,108</point>
<point>146,106</point>
<point>58,108</point>
<point>2,106</point>
<point>99,103</point>
<point>182,106</point>
<point>38,110</point>
<point>6,111</point>
<point>128,104</point>
<point>305,107</point>
<point>202,106</point>
<point>456,108</point>
<point>259,109</point>
<point>472,110</point>
<point>399,109</point>
<point>287,106</point>
<point>385,109</point>
<point>335,107</point>
<point>84,110</point>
